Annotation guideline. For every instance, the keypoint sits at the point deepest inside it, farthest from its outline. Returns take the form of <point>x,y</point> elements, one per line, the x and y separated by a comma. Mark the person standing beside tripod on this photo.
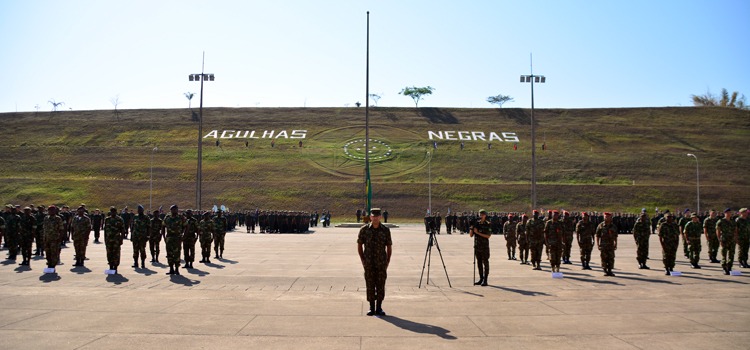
<point>374,246</point>
<point>481,231</point>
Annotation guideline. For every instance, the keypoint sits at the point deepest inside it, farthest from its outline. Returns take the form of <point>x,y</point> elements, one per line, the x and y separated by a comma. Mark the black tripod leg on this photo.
<point>440,252</point>
<point>426,253</point>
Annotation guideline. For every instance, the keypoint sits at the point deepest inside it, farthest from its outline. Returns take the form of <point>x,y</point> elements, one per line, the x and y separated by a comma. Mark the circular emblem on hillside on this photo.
<point>357,149</point>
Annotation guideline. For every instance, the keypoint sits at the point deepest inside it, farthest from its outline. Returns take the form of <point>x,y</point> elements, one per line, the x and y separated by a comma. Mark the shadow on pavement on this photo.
<point>145,271</point>
<point>22,268</point>
<point>520,291</point>
<point>179,279</point>
<point>700,277</point>
<point>49,277</point>
<point>417,327</point>
<point>227,261</point>
<point>650,280</point>
<point>198,272</point>
<point>8,262</point>
<point>80,270</point>
<point>216,266</point>
<point>117,279</point>
<point>590,280</point>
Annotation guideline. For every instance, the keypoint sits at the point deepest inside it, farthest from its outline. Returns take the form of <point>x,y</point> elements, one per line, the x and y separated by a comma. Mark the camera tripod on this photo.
<point>428,259</point>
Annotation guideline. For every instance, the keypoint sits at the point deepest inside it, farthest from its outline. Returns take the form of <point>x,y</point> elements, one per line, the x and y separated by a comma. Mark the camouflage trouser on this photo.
<point>567,246</point>
<point>139,246</point>
<point>727,255</point>
<point>686,247</point>
<point>206,247</point>
<point>26,242</point>
<point>219,242</point>
<point>555,252</point>
<point>694,250</point>
<point>669,254</point>
<point>11,240</point>
<point>39,238</point>
<point>113,253</point>
<point>173,250</point>
<point>713,247</point>
<point>608,258</point>
<point>743,245</point>
<point>523,250</point>
<point>642,249</point>
<point>586,249</point>
<point>483,261</point>
<point>79,245</point>
<point>52,249</point>
<point>189,247</point>
<point>375,277</point>
<point>153,246</point>
<point>536,252</point>
<point>510,245</point>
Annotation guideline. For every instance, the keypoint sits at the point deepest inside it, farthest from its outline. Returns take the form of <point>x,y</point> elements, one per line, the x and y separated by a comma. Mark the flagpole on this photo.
<point>368,184</point>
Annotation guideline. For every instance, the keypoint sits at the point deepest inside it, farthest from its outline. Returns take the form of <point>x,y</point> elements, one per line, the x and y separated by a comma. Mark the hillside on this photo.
<point>595,159</point>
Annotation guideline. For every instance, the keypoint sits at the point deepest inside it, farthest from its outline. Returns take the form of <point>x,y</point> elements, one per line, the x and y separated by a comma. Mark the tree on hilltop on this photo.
<point>375,97</point>
<point>189,96</point>
<point>499,100</point>
<point>55,104</point>
<point>115,102</point>
<point>417,93</point>
<point>710,100</point>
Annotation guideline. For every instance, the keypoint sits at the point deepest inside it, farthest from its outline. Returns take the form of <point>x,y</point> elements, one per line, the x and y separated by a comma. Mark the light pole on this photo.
<point>531,78</point>
<point>429,182</point>
<point>697,182</point>
<point>151,182</point>
<point>199,175</point>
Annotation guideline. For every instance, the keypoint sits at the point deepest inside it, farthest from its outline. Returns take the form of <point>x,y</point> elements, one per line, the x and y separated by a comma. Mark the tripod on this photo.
<point>428,259</point>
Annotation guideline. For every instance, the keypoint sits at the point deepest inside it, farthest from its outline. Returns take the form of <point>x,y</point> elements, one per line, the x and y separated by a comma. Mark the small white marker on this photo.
<point>676,273</point>
<point>557,275</point>
<point>735,273</point>
<point>49,270</point>
<point>109,272</point>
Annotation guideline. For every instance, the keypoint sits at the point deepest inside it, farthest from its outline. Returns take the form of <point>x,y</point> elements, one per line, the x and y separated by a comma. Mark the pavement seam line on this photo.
<point>700,323</point>
<point>476,325</point>
<point>246,324</point>
<point>92,341</point>
<point>26,319</point>
<point>554,308</point>
<point>625,341</point>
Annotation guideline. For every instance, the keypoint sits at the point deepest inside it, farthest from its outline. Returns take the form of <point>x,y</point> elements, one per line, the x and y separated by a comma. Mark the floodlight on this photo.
<point>211,77</point>
<point>523,79</point>
<point>544,79</point>
<point>536,79</point>
<point>190,77</point>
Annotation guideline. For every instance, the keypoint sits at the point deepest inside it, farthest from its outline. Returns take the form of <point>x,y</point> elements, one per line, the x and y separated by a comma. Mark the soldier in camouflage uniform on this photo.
<point>12,232</point>
<point>114,233</point>
<point>174,225</point>
<point>709,229</point>
<point>28,230</point>
<point>220,227</point>
<point>374,246</point>
<point>54,229</point>
<point>2,229</point>
<point>669,236</point>
<point>606,241</point>
<point>482,232</point>
<point>642,234</point>
<point>726,230</point>
<point>585,232</point>
<point>206,231</point>
<point>39,235</point>
<point>743,236</point>
<point>681,223</point>
<point>155,235</point>
<point>569,227</point>
<point>553,238</point>
<point>81,225</point>
<point>535,235</point>
<point>141,235</point>
<point>692,235</point>
<point>523,240</point>
<point>189,237</point>
<point>509,231</point>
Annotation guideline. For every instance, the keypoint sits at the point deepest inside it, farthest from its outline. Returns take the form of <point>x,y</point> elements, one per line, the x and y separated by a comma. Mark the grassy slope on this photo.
<point>615,159</point>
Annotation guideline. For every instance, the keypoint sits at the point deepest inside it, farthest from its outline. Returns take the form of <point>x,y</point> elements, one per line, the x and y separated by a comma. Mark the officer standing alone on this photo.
<point>374,246</point>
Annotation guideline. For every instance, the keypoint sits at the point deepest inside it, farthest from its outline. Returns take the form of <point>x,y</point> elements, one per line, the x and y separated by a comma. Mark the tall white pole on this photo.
<point>697,182</point>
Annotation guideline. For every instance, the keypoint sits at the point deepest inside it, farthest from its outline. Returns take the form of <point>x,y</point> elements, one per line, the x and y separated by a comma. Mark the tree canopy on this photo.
<point>417,93</point>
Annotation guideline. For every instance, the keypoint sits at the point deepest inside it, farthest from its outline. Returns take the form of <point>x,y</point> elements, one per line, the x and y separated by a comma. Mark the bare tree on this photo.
<point>116,101</point>
<point>189,96</point>
<point>375,97</point>
<point>735,100</point>
<point>36,106</point>
<point>55,104</point>
<point>499,100</point>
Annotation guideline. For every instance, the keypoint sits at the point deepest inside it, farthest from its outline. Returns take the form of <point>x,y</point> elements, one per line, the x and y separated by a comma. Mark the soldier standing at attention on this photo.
<point>683,221</point>
<point>39,235</point>
<point>155,235</point>
<point>114,232</point>
<point>606,240</point>
<point>509,231</point>
<point>374,246</point>
<point>585,232</point>
<point>28,230</point>
<point>535,235</point>
<point>641,234</point>
<point>96,221</point>
<point>54,229</point>
<point>12,232</point>
<point>81,229</point>
<point>189,237</point>
<point>669,236</point>
<point>523,241</point>
<point>483,231</point>
<point>743,236</point>
<point>709,229</point>
<point>553,238</point>
<point>141,228</point>
<point>206,230</point>
<point>569,227</point>
<point>174,225</point>
<point>692,235</point>
<point>726,230</point>
<point>220,229</point>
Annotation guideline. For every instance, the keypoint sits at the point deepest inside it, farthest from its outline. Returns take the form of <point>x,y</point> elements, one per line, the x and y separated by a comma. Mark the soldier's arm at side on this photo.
<point>388,251</point>
<point>361,252</point>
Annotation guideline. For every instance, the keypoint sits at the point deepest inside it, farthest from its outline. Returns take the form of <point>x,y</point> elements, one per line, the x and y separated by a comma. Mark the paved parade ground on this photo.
<point>306,291</point>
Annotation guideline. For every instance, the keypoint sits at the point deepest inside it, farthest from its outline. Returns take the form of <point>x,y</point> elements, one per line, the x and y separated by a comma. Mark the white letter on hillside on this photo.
<point>439,135</point>
<point>213,133</point>
<point>510,136</point>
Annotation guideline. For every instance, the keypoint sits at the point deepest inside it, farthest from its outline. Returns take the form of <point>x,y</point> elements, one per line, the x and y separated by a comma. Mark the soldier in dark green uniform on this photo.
<point>535,234</point>
<point>220,231</point>
<point>642,234</point>
<point>681,223</point>
<point>585,231</point>
<point>569,227</point>
<point>743,236</point>
<point>374,246</point>
<point>709,229</point>
<point>189,237</point>
<point>692,233</point>
<point>114,233</point>
<point>54,229</point>
<point>39,235</point>
<point>669,236</point>
<point>81,225</point>
<point>482,231</point>
<point>12,232</point>
<point>726,231</point>
<point>509,231</point>
<point>606,241</point>
<point>523,240</point>
<point>155,235</point>
<point>173,223</point>
<point>28,230</point>
<point>141,234</point>
<point>206,231</point>
<point>553,239</point>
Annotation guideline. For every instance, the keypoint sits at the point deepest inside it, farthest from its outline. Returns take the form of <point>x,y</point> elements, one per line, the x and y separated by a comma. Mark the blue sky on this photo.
<point>279,53</point>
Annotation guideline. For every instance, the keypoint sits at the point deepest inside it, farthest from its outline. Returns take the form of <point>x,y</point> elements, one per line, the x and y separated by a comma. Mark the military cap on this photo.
<point>140,207</point>
<point>669,214</point>
<point>524,216</point>
<point>666,211</point>
<point>643,210</point>
<point>606,213</point>
<point>52,207</point>
<point>743,210</point>
<point>535,212</point>
<point>375,211</point>
<point>112,209</point>
<point>81,208</point>
<point>189,211</point>
<point>686,211</point>
<point>693,215</point>
<point>26,208</point>
<point>555,212</point>
<point>727,210</point>
<point>584,214</point>
<point>565,212</point>
<point>174,206</point>
<point>482,211</point>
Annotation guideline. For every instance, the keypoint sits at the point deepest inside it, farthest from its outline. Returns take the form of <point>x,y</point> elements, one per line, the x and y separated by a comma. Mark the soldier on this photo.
<point>641,234</point>
<point>726,231</point>
<point>483,232</point>
<point>141,234</point>
<point>709,229</point>
<point>155,235</point>
<point>682,222</point>
<point>28,230</point>
<point>692,235</point>
<point>509,232</point>
<point>743,236</point>
<point>374,247</point>
<point>114,233</point>
<point>206,230</point>
<point>2,227</point>
<point>606,241</point>
<point>569,227</point>
<point>189,237</point>
<point>54,229</point>
<point>97,219</point>
<point>553,238</point>
<point>535,235</point>
<point>359,215</point>
<point>522,239</point>
<point>385,216</point>
<point>669,236</point>
<point>39,235</point>
<point>585,232</point>
<point>174,225</point>
<point>220,229</point>
<point>12,232</point>
<point>81,225</point>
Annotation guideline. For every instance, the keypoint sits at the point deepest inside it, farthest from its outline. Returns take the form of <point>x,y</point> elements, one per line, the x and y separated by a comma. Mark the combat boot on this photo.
<point>667,273</point>
<point>171,270</point>
<point>135,263</point>
<point>372,309</point>
<point>177,269</point>
<point>646,266</point>
<point>484,281</point>
<point>481,280</point>
<point>379,308</point>
<point>143,263</point>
